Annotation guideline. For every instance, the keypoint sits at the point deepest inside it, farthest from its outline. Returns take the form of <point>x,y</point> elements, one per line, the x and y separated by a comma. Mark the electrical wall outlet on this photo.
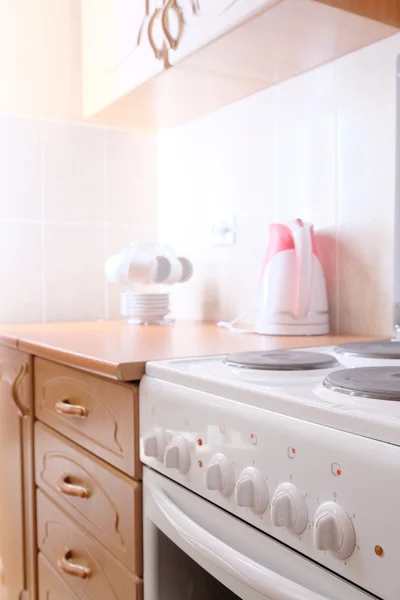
<point>223,230</point>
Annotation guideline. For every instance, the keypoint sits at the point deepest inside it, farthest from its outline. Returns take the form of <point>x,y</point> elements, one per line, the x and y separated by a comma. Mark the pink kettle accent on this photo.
<point>292,297</point>
<point>281,238</point>
<point>300,237</point>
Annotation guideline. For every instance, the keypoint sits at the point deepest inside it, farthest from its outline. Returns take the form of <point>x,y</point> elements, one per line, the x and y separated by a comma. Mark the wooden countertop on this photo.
<point>119,351</point>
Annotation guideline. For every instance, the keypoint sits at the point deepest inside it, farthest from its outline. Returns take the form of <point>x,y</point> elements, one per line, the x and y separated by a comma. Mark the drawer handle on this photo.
<point>65,486</point>
<point>72,410</point>
<point>70,568</point>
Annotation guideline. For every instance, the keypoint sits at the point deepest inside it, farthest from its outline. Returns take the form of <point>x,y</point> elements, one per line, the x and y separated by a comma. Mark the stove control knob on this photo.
<point>219,475</point>
<point>251,491</point>
<point>155,443</point>
<point>177,455</point>
<point>333,530</point>
<point>288,508</point>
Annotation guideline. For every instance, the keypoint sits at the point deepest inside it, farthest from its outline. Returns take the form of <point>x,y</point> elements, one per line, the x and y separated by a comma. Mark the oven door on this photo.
<point>193,550</point>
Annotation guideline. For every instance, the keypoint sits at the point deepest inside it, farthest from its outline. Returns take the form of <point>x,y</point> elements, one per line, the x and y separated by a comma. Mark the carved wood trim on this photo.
<point>147,27</point>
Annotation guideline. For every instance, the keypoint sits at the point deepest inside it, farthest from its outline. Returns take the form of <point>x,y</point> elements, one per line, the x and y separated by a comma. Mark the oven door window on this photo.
<point>180,578</point>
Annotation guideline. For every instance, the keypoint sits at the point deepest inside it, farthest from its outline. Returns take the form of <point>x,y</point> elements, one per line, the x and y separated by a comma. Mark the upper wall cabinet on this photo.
<point>386,11</point>
<point>118,54</point>
<point>203,21</point>
<point>164,62</point>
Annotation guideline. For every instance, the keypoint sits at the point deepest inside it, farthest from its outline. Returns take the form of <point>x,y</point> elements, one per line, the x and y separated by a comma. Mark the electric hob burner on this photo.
<point>373,349</point>
<point>382,383</point>
<point>287,360</point>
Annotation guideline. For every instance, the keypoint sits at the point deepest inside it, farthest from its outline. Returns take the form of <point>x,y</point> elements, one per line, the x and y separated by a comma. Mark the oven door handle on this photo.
<point>255,576</point>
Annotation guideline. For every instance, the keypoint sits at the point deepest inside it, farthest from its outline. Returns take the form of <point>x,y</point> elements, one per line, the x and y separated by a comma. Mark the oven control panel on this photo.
<point>331,495</point>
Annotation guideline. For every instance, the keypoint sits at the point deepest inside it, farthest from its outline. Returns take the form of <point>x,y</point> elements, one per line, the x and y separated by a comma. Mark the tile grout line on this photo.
<point>337,199</point>
<point>42,225</point>
<point>275,161</point>
<point>106,298</point>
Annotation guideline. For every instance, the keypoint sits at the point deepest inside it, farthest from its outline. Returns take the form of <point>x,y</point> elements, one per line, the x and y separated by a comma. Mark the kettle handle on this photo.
<point>304,269</point>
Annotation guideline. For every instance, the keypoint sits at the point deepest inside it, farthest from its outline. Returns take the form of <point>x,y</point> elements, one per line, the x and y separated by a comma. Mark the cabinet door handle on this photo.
<point>66,566</point>
<point>65,486</point>
<point>23,411</point>
<point>64,407</point>
<point>172,5</point>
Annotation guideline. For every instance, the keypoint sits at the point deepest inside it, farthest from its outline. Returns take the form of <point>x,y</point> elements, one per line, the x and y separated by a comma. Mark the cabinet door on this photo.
<point>206,20</point>
<point>87,567</point>
<point>117,51</point>
<point>15,434</point>
<point>101,499</point>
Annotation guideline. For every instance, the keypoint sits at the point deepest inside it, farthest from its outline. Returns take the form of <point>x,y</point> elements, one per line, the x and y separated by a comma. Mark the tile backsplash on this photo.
<point>70,195</point>
<point>320,146</point>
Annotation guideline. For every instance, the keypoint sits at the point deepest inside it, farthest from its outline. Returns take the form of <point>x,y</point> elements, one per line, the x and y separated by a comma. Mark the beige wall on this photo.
<point>321,147</point>
<point>70,196</point>
<point>40,58</point>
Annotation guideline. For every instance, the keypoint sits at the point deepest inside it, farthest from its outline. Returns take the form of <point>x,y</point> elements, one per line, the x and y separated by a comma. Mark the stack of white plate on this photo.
<point>144,308</point>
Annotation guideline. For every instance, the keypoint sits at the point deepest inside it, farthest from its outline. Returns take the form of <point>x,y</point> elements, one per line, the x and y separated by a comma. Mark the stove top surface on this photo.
<point>346,395</point>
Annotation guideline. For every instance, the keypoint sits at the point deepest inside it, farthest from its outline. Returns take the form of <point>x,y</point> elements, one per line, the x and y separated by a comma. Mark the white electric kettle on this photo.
<point>292,298</point>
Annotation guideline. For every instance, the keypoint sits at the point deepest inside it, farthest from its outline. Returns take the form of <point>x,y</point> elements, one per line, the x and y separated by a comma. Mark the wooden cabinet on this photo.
<point>165,62</point>
<point>117,49</point>
<point>89,513</point>
<point>207,20</point>
<point>16,476</point>
<point>386,11</point>
<point>86,567</point>
<point>105,502</point>
<point>100,415</point>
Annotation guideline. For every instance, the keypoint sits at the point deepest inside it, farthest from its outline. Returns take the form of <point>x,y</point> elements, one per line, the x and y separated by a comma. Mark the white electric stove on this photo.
<point>273,475</point>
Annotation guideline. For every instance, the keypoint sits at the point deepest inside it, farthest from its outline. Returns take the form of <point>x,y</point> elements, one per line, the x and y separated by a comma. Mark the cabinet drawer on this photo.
<point>87,568</point>
<point>100,415</point>
<point>103,500</point>
<point>51,586</point>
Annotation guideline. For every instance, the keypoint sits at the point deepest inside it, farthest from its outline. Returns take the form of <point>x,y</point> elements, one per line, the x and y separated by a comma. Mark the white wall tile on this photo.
<point>54,173</point>
<point>19,168</point>
<point>131,181</point>
<point>305,148</point>
<point>321,146</point>
<point>74,272</point>
<point>366,97</point>
<point>269,157</point>
<point>326,239</point>
<point>222,162</point>
<point>20,267</point>
<point>73,172</point>
<point>216,166</point>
